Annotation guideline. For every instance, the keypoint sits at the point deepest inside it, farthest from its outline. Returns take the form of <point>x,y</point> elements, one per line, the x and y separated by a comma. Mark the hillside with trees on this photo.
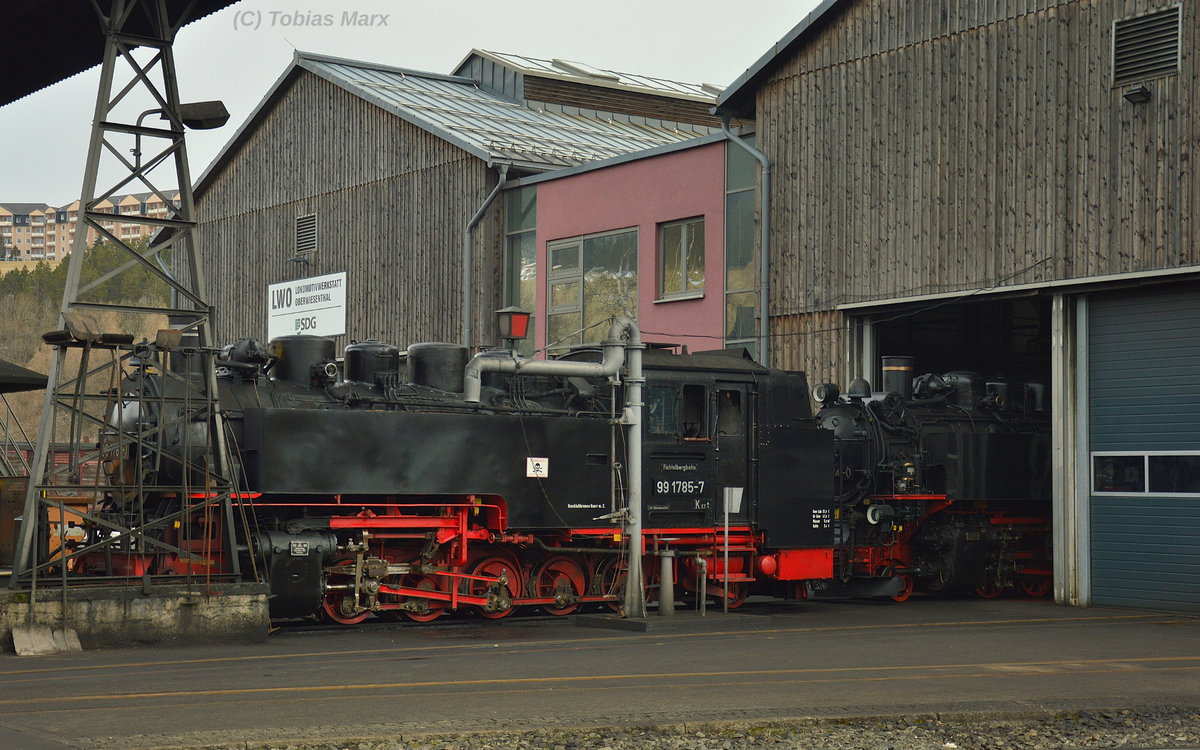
<point>31,298</point>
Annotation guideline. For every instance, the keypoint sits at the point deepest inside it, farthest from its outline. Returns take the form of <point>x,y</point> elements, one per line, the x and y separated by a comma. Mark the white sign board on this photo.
<point>314,306</point>
<point>733,499</point>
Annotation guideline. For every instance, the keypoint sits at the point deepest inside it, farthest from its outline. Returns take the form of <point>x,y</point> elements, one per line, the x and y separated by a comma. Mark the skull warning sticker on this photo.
<point>537,468</point>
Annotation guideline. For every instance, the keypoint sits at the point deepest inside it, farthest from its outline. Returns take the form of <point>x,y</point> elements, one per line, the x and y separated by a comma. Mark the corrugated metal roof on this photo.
<point>492,127</point>
<point>584,73</point>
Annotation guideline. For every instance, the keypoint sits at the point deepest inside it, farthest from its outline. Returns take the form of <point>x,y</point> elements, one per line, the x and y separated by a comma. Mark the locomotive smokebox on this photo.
<point>898,376</point>
<point>438,365</point>
<point>365,359</point>
<point>300,356</point>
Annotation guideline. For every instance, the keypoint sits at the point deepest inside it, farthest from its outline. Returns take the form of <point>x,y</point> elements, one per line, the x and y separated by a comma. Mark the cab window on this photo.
<point>730,417</point>
<point>662,410</point>
<point>693,413</point>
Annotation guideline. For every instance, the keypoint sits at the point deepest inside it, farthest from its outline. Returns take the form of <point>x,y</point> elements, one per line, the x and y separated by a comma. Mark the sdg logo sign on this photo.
<point>314,306</point>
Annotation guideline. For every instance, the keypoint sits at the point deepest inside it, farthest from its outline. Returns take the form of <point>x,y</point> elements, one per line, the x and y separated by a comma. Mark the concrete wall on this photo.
<point>123,616</point>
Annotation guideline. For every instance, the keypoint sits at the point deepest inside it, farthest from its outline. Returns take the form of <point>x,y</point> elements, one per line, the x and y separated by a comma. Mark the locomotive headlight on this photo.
<point>826,393</point>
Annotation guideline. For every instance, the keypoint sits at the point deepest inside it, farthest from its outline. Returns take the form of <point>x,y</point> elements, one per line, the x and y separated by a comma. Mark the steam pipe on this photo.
<point>617,352</point>
<point>764,255</point>
<point>609,366</point>
<point>469,257</point>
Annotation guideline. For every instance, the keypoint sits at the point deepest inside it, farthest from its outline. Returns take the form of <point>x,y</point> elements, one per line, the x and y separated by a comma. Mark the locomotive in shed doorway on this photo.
<point>943,482</point>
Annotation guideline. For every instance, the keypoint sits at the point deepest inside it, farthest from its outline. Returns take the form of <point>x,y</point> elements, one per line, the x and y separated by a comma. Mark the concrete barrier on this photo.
<point>127,615</point>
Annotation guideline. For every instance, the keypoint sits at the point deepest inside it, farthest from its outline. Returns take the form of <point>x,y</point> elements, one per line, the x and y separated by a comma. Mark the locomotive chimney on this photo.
<point>898,376</point>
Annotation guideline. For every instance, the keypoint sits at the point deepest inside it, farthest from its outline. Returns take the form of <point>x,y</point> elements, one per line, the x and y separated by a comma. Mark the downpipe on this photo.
<point>623,347</point>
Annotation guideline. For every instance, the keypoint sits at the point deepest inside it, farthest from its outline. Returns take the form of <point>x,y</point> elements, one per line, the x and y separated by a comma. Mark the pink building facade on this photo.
<point>643,236</point>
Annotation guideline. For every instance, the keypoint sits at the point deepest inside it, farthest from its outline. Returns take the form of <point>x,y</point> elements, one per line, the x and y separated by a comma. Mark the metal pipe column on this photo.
<point>635,595</point>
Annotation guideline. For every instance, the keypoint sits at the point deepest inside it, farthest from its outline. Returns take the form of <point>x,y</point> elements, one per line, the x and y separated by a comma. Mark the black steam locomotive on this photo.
<point>387,483</point>
<point>943,482</point>
<point>375,485</point>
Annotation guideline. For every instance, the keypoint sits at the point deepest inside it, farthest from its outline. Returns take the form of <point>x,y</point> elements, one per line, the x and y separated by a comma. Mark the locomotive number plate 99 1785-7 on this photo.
<point>679,487</point>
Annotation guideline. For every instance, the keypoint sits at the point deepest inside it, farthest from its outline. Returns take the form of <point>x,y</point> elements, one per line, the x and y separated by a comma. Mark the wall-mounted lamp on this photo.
<point>298,259</point>
<point>1137,95</point>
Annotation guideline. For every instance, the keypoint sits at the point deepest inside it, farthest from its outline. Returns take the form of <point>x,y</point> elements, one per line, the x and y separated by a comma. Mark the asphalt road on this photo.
<point>768,662</point>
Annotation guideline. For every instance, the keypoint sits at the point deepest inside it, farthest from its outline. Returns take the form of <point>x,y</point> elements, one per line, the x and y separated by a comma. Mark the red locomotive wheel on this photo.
<point>434,608</point>
<point>990,589</point>
<point>561,577</point>
<point>906,581</point>
<point>737,593</point>
<point>612,576</point>
<point>337,604</point>
<point>493,567</point>
<point>1036,588</point>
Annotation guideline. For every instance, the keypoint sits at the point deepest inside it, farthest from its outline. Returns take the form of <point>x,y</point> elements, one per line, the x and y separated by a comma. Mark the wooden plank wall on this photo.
<point>814,339</point>
<point>932,147</point>
<point>391,200</point>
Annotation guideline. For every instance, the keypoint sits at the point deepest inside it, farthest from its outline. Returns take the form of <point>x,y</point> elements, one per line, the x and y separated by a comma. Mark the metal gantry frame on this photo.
<point>10,430</point>
<point>88,389</point>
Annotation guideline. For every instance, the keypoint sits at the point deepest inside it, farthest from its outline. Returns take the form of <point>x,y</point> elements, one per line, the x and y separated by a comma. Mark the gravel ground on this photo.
<point>1142,728</point>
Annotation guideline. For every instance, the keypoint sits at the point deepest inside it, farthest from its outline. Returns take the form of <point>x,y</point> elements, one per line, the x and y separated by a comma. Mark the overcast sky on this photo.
<point>236,55</point>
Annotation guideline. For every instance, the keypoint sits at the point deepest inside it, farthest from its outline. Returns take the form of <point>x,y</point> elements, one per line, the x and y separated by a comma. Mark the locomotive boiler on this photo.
<point>416,483</point>
<point>943,483</point>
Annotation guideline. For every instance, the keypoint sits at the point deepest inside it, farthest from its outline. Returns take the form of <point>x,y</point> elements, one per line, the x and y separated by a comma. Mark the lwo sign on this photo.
<point>315,306</point>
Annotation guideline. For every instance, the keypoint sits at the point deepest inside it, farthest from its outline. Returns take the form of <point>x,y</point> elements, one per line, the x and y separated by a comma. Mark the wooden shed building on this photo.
<point>392,177</point>
<point>1007,187</point>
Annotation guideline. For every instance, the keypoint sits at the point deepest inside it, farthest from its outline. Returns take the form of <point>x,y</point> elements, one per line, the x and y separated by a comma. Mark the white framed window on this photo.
<point>1146,473</point>
<point>681,259</point>
<point>591,279</point>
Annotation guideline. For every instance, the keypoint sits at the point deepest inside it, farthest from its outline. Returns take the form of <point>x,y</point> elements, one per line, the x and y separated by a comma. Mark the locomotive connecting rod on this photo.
<point>623,347</point>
